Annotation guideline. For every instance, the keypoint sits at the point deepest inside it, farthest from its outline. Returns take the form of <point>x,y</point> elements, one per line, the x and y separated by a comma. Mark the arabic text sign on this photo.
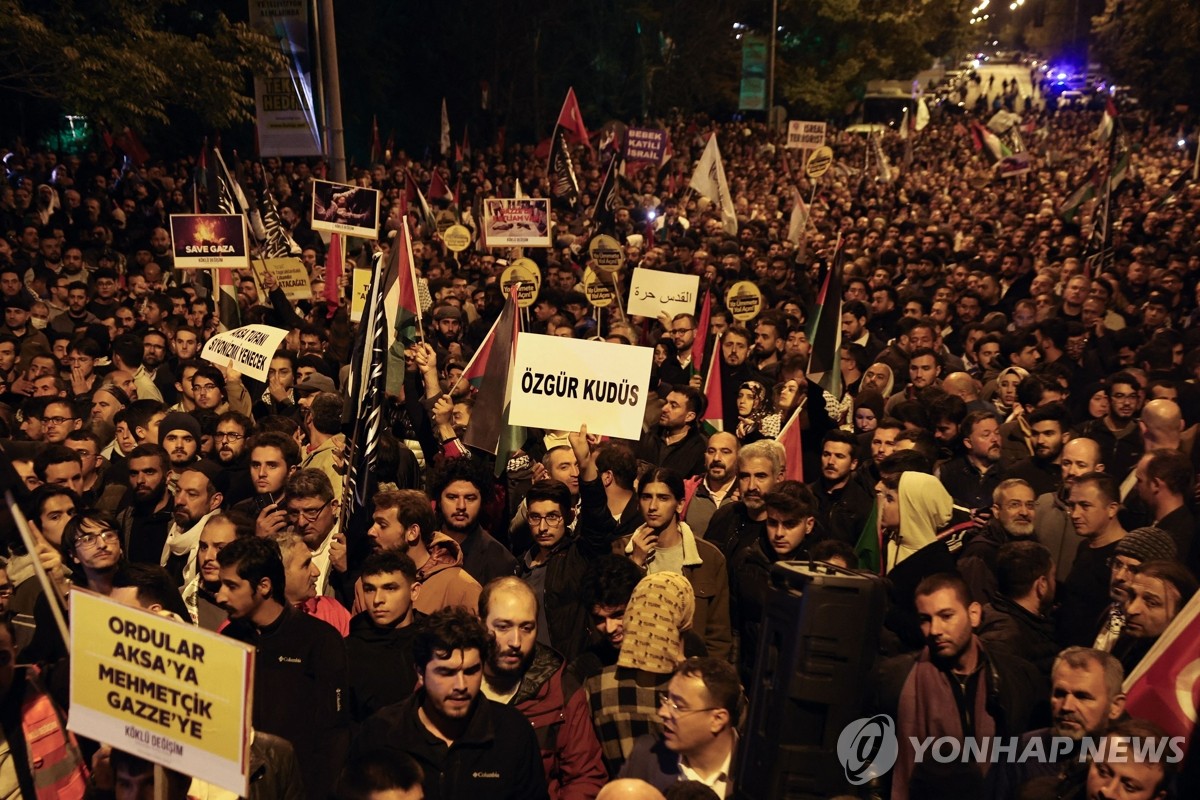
<point>358,299</point>
<point>807,135</point>
<point>247,349</point>
<point>653,292</point>
<point>163,690</point>
<point>209,241</point>
<point>560,384</point>
<point>645,144</point>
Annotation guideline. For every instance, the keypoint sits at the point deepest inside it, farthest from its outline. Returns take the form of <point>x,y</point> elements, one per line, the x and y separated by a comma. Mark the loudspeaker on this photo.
<point>820,637</point>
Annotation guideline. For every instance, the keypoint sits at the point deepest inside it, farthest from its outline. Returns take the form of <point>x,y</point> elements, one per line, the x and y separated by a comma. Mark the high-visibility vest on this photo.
<point>58,767</point>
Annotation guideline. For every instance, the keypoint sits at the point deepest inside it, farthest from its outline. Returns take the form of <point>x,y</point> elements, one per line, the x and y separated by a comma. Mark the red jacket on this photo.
<point>570,750</point>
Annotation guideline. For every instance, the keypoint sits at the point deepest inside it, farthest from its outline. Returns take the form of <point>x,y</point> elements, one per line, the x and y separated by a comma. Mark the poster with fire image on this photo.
<point>207,241</point>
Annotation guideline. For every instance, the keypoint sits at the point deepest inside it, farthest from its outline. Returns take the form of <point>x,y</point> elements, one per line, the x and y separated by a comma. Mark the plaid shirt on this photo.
<point>622,710</point>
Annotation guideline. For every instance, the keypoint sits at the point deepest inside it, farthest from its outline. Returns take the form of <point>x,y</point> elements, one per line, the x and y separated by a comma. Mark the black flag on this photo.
<point>563,183</point>
<point>604,212</point>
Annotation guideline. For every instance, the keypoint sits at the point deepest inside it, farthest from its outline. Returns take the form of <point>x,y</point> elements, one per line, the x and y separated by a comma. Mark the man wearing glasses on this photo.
<point>59,420</point>
<point>229,448</point>
<point>310,510</point>
<point>698,712</point>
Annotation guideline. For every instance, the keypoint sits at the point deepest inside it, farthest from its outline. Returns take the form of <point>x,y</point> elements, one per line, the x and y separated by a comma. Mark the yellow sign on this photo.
<point>516,272</point>
<point>599,294</point>
<point>606,253</point>
<point>169,692</point>
<point>530,266</point>
<point>292,277</point>
<point>819,162</point>
<point>358,299</point>
<point>457,238</point>
<point>744,301</point>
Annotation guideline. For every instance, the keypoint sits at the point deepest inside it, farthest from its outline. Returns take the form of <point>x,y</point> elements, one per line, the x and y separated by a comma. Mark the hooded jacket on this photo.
<point>382,670</point>
<point>444,582</point>
<point>925,508</point>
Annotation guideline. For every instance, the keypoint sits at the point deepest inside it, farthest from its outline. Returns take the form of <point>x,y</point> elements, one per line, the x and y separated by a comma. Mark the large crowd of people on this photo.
<point>1010,449</point>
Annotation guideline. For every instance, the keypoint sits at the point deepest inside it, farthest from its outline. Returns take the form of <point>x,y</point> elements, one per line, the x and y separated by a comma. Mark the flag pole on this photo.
<point>412,272</point>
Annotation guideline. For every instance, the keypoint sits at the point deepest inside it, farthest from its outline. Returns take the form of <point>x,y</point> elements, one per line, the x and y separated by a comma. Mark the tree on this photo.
<point>133,62</point>
<point>830,49</point>
<point>1153,46</point>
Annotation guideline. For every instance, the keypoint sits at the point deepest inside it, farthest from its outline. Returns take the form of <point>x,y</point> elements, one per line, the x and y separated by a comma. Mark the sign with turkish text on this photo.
<point>161,689</point>
<point>516,221</point>
<point>805,135</point>
<point>247,349</point>
<point>560,384</point>
<point>645,144</point>
<point>283,100</point>
<point>292,276</point>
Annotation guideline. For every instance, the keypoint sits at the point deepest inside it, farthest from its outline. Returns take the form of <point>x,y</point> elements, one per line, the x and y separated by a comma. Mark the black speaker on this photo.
<point>819,640</point>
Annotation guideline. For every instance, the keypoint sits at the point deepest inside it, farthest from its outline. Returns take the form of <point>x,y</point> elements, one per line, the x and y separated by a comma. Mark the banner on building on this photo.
<point>284,109</point>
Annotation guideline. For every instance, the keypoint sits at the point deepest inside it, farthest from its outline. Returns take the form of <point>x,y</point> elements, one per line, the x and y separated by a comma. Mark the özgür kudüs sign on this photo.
<point>560,384</point>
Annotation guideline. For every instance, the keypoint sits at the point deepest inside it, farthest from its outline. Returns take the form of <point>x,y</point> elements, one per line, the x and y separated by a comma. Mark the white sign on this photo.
<point>560,384</point>
<point>807,135</point>
<point>653,292</point>
<point>247,349</point>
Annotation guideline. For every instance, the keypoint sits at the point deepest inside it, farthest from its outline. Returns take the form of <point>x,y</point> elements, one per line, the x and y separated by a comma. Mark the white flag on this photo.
<point>922,115</point>
<point>709,180</point>
<point>445,143</point>
<point>904,125</point>
<point>799,218</point>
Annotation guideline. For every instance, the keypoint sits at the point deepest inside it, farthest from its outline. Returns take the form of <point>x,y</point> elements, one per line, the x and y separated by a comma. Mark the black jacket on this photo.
<point>382,670</point>
<point>497,758</point>
<point>566,566</point>
<point>300,692</point>
<point>841,514</point>
<point>685,456</point>
<point>1009,627</point>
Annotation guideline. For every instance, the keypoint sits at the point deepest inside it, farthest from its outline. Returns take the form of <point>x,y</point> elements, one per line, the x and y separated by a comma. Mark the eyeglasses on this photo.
<point>57,420</point>
<point>553,518</point>
<point>309,514</point>
<point>204,387</point>
<point>92,539</point>
<point>233,437</point>
<point>664,699</point>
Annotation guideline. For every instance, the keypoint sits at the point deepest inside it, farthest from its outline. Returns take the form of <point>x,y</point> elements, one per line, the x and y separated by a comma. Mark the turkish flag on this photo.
<point>1163,687</point>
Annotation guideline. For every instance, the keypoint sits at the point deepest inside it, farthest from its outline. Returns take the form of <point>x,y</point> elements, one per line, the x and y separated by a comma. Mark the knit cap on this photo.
<point>1147,544</point>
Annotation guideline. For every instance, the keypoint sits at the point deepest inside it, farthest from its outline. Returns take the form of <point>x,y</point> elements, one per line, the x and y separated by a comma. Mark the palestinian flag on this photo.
<point>868,549</point>
<point>825,330</point>
<point>700,338</point>
<point>488,429</point>
<point>1086,191</point>
<point>789,437</point>
<point>714,409</point>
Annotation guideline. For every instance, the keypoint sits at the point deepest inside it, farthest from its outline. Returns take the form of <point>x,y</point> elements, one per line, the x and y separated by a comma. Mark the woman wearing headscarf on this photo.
<point>752,405</point>
<point>623,699</point>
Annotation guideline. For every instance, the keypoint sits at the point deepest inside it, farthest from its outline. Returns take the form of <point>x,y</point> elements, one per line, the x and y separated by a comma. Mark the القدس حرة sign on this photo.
<point>169,692</point>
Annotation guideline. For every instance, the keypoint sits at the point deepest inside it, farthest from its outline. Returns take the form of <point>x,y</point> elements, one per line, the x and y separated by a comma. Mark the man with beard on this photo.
<point>1017,620</point>
<point>676,443</point>
<point>300,668</point>
<point>179,435</point>
<point>154,353</point>
<point>1117,432</point>
<point>1048,426</point>
<point>200,595</point>
<point>403,521</point>
<point>956,687</point>
<point>198,498</point>
<point>1013,504</point>
<point>972,477</point>
<point>274,457</point>
<point>1138,546</point>
<point>1155,595</point>
<point>460,490</point>
<point>735,370</point>
<point>379,647</point>
<point>300,583</point>
<point>1051,519</point>
<point>1165,482</point>
<point>735,525</point>
<point>770,335</point>
<point>716,487</point>
<point>522,672</point>
<point>145,522</point>
<point>447,710</point>
<point>233,431</point>
<point>842,503</point>
<point>1085,700</point>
